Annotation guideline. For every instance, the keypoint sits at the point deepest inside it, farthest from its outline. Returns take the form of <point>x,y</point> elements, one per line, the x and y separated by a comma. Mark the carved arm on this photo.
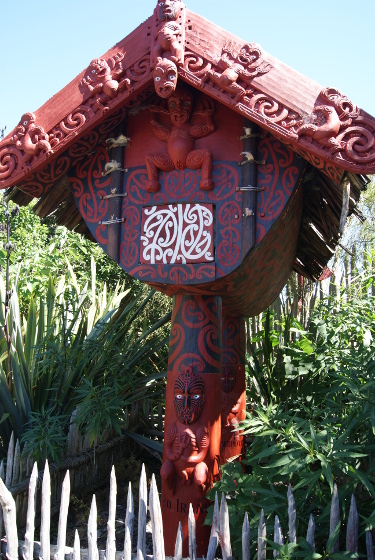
<point>161,132</point>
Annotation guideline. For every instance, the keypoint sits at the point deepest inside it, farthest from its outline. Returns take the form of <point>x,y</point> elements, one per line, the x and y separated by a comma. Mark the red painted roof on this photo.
<point>320,124</point>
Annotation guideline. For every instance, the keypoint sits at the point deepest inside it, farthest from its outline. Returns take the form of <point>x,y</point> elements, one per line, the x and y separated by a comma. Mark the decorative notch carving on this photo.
<point>187,440</point>
<point>236,65</point>
<point>106,76</point>
<point>179,135</point>
<point>168,44</point>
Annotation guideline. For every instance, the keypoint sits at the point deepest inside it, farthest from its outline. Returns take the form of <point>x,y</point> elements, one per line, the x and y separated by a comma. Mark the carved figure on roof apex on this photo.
<point>180,137</point>
<point>326,120</point>
<point>102,76</point>
<point>168,32</point>
<point>187,440</point>
<point>30,138</point>
<point>246,64</point>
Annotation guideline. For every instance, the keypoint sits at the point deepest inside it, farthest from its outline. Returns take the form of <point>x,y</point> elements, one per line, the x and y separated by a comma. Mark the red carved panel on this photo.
<point>177,233</point>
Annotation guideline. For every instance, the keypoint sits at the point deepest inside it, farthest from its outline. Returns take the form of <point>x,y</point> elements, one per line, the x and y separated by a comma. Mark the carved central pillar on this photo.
<point>192,417</point>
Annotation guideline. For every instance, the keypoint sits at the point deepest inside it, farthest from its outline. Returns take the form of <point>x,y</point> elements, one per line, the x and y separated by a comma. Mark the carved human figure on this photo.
<point>167,44</point>
<point>165,76</point>
<point>103,76</point>
<point>231,401</point>
<point>187,441</point>
<point>30,138</point>
<point>180,137</point>
<point>245,65</point>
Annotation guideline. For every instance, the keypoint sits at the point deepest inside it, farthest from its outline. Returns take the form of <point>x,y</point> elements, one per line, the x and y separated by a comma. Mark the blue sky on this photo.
<point>45,44</point>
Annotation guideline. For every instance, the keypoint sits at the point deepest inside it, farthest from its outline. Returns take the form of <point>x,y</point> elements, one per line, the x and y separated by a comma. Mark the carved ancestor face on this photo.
<point>26,119</point>
<point>180,105</point>
<point>249,54</point>
<point>188,397</point>
<point>97,69</point>
<point>165,77</point>
<point>228,378</point>
<point>169,10</point>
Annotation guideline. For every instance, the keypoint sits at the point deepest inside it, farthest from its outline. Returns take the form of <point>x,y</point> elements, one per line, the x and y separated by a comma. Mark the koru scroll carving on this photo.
<point>168,47</point>
<point>29,138</point>
<point>180,135</point>
<point>244,65</point>
<point>187,440</point>
<point>104,76</point>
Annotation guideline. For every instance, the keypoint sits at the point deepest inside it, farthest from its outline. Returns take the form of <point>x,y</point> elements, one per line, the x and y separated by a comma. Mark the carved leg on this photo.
<point>233,387</point>
<point>202,159</point>
<point>200,477</point>
<point>154,162</point>
<point>192,409</point>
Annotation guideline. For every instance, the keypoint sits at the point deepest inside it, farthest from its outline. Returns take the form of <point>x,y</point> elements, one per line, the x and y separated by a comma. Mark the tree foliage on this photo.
<point>312,419</point>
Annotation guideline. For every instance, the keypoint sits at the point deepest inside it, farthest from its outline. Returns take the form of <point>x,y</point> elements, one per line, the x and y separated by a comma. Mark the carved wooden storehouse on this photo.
<point>210,170</point>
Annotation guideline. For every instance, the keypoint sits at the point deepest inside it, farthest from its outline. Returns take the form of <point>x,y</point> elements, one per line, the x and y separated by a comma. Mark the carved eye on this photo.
<point>171,76</point>
<point>172,104</point>
<point>196,397</point>
<point>93,71</point>
<point>25,123</point>
<point>187,103</point>
<point>157,79</point>
<point>179,397</point>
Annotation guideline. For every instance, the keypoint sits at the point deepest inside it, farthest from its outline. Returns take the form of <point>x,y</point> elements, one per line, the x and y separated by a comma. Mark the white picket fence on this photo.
<point>220,532</point>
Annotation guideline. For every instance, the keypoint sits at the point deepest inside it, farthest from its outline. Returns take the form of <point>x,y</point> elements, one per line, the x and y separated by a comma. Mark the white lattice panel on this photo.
<point>177,233</point>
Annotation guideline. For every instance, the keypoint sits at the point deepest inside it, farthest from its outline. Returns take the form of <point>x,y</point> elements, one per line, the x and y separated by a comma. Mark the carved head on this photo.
<point>188,396</point>
<point>165,77</point>
<point>180,106</point>
<point>249,54</point>
<point>97,69</point>
<point>169,10</point>
<point>26,120</point>
<point>228,378</point>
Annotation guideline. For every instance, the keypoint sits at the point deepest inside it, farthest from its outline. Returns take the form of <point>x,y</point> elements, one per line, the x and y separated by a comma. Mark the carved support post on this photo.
<point>192,417</point>
<point>233,388</point>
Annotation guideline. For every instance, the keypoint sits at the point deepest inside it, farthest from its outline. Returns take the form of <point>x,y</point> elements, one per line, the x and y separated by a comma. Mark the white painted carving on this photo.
<point>177,233</point>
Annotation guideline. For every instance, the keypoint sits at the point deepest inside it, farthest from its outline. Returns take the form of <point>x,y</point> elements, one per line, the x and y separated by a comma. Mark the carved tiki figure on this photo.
<point>187,441</point>
<point>30,138</point>
<point>180,137</point>
<point>245,65</point>
<point>167,44</point>
<point>103,76</point>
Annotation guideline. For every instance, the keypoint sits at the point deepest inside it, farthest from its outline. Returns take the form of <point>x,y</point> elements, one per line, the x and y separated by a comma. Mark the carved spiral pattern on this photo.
<point>9,158</point>
<point>196,64</point>
<point>234,340</point>
<point>199,318</point>
<point>139,70</point>
<point>89,185</point>
<point>277,179</point>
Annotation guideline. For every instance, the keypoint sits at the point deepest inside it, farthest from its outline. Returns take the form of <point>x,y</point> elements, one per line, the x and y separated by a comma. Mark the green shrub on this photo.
<point>312,421</point>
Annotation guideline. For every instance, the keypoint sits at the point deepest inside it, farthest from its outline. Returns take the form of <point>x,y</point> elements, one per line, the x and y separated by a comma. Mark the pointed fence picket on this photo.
<point>13,549</point>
